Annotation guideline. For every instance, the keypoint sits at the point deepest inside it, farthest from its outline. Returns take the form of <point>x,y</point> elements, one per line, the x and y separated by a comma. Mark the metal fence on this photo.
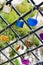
<point>35,7</point>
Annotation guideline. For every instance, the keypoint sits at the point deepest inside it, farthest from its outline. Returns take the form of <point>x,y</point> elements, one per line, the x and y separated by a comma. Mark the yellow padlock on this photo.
<point>4,38</point>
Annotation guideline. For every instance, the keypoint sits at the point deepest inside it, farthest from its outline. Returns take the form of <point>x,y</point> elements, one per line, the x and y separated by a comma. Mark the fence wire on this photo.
<point>35,7</point>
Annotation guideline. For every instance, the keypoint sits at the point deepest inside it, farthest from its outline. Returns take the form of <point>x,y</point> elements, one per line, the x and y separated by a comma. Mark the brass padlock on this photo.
<point>17,47</point>
<point>28,43</point>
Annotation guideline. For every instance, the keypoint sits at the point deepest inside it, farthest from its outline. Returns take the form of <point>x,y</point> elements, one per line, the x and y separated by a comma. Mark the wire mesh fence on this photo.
<point>19,38</point>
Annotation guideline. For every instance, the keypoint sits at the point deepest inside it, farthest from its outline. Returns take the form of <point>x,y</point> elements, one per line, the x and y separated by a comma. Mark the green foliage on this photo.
<point>9,17</point>
<point>16,62</point>
<point>25,7</point>
<point>12,16</point>
<point>2,44</point>
<point>12,53</point>
<point>10,34</point>
<point>2,25</point>
<point>22,31</point>
<point>30,15</point>
<point>36,41</point>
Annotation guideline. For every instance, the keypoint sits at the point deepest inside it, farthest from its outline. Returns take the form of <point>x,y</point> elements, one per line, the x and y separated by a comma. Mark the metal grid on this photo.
<point>21,38</point>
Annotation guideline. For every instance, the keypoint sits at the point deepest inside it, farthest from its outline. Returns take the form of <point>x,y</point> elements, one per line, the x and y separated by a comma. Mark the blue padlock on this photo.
<point>19,24</point>
<point>32,22</point>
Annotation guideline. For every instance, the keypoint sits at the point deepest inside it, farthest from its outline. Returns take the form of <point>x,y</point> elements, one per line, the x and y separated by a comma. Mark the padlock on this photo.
<point>25,61</point>
<point>28,43</point>
<point>19,24</point>
<point>41,36</point>
<point>4,38</point>
<point>17,47</point>
<point>32,22</point>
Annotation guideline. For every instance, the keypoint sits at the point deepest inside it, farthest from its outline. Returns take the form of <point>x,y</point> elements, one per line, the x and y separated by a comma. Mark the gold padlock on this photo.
<point>28,43</point>
<point>4,38</point>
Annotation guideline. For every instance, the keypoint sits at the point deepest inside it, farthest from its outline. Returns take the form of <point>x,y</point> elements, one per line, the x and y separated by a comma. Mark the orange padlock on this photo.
<point>4,38</point>
<point>17,47</point>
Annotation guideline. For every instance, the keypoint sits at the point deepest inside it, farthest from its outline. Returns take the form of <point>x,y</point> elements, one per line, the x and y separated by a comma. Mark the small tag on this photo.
<point>7,9</point>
